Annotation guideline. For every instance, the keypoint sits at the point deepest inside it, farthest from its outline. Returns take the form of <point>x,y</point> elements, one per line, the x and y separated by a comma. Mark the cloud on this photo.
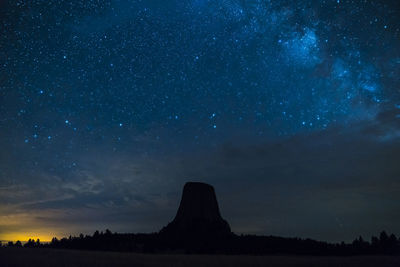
<point>331,185</point>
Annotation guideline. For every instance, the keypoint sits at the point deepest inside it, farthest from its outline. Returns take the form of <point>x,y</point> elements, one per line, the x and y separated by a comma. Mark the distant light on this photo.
<point>26,140</point>
<point>120,125</point>
<point>65,57</point>
<point>49,137</point>
<point>41,92</point>
<point>66,121</point>
<point>304,123</point>
<point>35,136</point>
<point>214,126</point>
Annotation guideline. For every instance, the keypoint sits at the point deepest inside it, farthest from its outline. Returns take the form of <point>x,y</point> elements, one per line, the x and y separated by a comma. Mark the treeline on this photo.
<point>383,244</point>
<point>234,244</point>
<point>30,244</point>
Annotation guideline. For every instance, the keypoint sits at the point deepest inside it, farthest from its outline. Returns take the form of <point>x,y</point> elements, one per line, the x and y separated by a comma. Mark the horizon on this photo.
<point>27,237</point>
<point>24,237</point>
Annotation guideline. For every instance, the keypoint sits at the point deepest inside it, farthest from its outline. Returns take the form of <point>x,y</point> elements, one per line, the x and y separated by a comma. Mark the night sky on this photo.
<point>291,109</point>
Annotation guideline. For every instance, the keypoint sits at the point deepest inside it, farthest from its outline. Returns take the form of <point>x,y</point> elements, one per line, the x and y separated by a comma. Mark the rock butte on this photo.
<point>198,214</point>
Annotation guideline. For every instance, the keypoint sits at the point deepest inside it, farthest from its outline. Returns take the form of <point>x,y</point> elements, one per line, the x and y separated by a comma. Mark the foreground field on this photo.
<point>51,257</point>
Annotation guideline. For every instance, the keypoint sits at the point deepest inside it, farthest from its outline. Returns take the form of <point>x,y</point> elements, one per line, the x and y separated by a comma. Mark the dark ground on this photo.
<point>51,257</point>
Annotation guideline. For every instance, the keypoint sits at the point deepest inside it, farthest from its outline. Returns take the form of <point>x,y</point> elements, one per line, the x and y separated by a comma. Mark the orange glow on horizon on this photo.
<point>24,237</point>
<point>25,226</point>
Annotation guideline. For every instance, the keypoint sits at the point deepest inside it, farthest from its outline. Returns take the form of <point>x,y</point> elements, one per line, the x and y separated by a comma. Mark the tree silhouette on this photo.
<point>234,244</point>
<point>383,237</point>
<point>29,244</point>
<point>392,240</point>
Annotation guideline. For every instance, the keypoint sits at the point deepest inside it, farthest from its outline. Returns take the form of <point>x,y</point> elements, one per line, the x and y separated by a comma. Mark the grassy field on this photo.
<point>66,258</point>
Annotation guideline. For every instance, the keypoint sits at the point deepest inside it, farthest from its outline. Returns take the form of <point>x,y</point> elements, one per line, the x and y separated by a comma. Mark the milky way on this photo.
<point>100,101</point>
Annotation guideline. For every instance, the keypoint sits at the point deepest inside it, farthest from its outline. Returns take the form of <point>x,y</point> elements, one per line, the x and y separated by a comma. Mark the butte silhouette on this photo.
<point>198,216</point>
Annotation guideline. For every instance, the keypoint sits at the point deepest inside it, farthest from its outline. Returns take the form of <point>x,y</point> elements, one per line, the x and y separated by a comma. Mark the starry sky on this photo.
<point>291,109</point>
